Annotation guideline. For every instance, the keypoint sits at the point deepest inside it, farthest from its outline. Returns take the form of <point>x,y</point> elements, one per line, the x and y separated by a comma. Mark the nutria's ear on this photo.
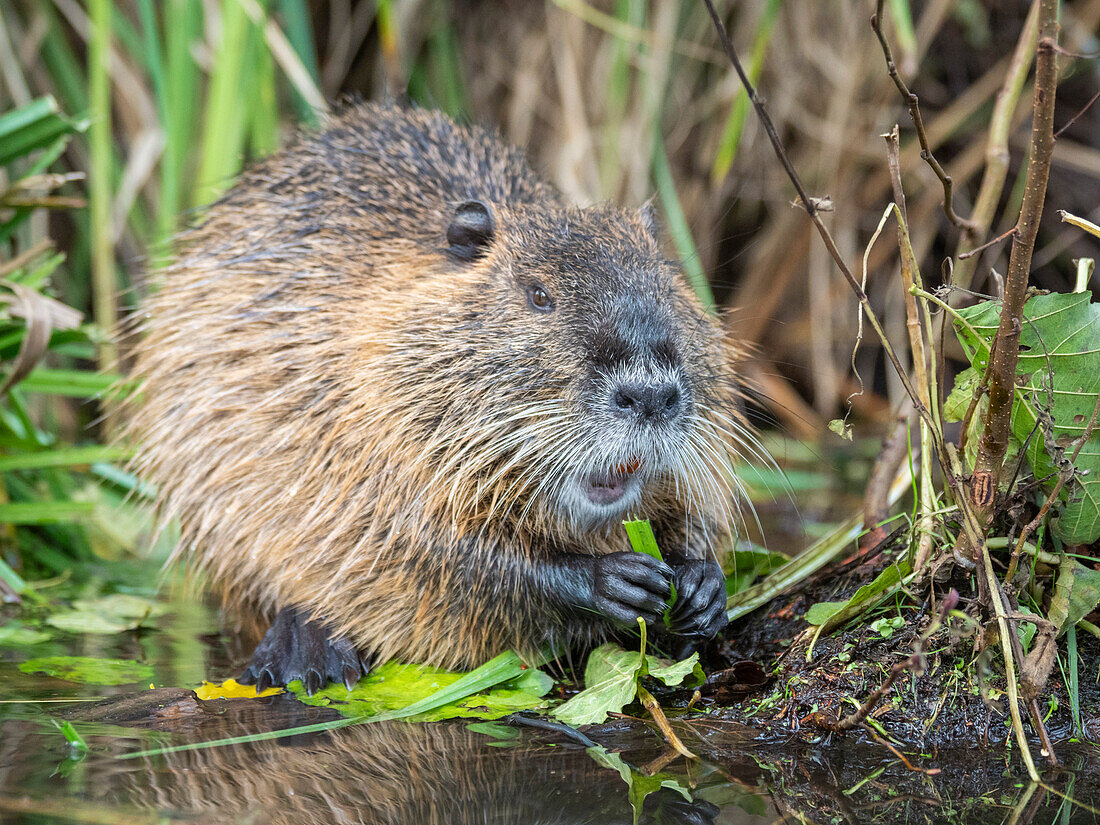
<point>471,231</point>
<point>652,224</point>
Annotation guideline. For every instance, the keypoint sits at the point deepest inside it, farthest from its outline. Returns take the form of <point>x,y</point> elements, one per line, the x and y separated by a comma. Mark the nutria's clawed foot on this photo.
<point>700,609</point>
<point>628,585</point>
<point>296,647</point>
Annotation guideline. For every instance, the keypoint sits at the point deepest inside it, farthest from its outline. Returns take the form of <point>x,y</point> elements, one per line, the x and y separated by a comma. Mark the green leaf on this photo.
<point>639,786</point>
<point>1076,594</point>
<point>422,693</point>
<point>958,401</point>
<point>834,614</point>
<point>106,615</point>
<point>89,671</point>
<point>672,673</point>
<point>15,634</point>
<point>1059,347</point>
<point>611,679</point>
<point>822,612</point>
<point>744,566</point>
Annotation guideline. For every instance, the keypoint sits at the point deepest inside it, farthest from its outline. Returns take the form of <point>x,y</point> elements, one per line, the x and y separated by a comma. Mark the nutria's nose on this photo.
<point>647,401</point>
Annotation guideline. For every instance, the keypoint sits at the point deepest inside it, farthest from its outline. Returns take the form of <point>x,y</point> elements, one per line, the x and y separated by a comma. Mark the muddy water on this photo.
<point>455,772</point>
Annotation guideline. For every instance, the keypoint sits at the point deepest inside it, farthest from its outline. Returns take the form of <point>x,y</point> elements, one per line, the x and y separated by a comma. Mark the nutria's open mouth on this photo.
<point>607,488</point>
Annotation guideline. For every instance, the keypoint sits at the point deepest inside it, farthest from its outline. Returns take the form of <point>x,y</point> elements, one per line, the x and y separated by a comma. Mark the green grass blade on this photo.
<point>678,227</point>
<point>64,457</point>
<point>45,512</point>
<point>299,31</point>
<point>504,667</point>
<point>1074,679</point>
<point>224,120</point>
<point>730,140</point>
<point>182,25</point>
<point>72,383</point>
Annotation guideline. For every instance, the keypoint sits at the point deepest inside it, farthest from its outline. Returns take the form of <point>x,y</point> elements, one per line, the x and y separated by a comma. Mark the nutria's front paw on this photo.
<point>296,647</point>
<point>700,609</point>
<point>628,585</point>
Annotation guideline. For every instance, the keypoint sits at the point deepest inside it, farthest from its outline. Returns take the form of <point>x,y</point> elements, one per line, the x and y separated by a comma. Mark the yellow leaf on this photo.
<point>232,689</point>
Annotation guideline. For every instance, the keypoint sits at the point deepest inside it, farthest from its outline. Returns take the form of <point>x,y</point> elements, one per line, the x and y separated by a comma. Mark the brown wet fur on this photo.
<point>327,394</point>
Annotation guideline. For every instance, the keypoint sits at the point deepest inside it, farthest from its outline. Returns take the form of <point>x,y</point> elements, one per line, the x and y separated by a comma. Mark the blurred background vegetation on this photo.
<point>125,118</point>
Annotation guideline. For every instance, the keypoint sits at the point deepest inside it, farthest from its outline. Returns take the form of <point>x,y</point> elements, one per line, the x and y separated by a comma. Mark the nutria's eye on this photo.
<point>539,299</point>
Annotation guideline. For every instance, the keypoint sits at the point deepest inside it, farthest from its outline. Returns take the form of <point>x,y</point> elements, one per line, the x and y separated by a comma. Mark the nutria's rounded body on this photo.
<point>395,385</point>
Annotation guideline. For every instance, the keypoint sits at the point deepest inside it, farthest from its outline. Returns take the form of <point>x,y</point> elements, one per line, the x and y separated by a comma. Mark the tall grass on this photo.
<point>621,99</point>
<point>171,100</point>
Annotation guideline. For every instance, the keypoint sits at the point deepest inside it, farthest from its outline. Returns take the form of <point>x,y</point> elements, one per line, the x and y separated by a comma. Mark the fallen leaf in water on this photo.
<point>232,689</point>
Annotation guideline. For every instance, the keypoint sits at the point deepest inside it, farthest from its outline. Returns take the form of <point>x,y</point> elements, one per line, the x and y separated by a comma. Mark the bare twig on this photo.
<point>910,278</point>
<point>976,250</point>
<point>913,103</point>
<point>901,756</point>
<point>821,719</point>
<point>1073,119</point>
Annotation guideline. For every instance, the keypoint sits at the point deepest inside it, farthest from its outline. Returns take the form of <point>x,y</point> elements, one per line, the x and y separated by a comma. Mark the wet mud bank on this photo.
<point>914,676</point>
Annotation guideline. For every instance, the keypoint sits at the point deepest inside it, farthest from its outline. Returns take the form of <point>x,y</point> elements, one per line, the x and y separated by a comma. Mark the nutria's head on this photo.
<point>584,381</point>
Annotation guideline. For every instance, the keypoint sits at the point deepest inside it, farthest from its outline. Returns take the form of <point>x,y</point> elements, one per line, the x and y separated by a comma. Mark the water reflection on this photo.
<point>401,774</point>
<point>384,774</point>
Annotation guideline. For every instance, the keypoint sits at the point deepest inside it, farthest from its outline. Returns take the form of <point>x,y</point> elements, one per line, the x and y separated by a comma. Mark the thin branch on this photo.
<point>978,249</point>
<point>914,663</point>
<point>809,204</point>
<point>913,103</point>
<point>1073,119</point>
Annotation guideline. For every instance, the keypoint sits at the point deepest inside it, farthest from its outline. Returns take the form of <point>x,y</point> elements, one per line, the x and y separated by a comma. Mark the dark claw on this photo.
<point>298,647</point>
<point>265,680</point>
<point>700,600</point>
<point>312,682</point>
<point>351,676</point>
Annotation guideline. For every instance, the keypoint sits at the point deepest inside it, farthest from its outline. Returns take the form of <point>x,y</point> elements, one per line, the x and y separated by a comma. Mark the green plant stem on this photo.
<point>911,279</point>
<point>104,284</point>
<point>1004,629</point>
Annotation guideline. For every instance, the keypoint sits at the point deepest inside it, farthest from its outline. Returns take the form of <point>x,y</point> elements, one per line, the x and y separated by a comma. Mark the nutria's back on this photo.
<point>395,383</point>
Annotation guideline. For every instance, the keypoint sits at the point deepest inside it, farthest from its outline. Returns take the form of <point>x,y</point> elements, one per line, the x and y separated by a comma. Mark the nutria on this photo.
<point>400,397</point>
